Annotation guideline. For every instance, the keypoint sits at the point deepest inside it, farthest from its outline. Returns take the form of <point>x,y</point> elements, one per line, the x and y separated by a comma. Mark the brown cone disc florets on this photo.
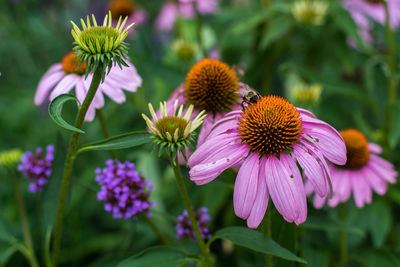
<point>121,8</point>
<point>357,148</point>
<point>211,85</point>
<point>70,64</point>
<point>270,126</point>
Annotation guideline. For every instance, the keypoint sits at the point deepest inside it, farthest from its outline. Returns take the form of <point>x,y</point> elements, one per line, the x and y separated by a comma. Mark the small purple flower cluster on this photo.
<point>124,191</point>
<point>184,227</point>
<point>37,167</point>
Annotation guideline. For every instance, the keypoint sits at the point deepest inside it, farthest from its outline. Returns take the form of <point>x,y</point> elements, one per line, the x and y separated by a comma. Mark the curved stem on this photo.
<point>25,224</point>
<point>69,161</point>
<point>186,201</point>
<point>156,230</point>
<point>343,236</point>
<point>267,232</point>
<point>104,128</point>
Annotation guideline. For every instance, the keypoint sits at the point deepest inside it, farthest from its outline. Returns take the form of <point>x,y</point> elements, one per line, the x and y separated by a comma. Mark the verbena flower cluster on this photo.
<point>125,192</point>
<point>37,167</point>
<point>184,227</point>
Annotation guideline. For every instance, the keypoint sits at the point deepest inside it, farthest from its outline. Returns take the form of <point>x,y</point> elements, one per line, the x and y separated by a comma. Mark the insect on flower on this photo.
<point>249,96</point>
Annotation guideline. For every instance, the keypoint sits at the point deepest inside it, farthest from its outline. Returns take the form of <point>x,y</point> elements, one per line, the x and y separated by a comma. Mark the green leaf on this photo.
<point>254,240</point>
<point>55,108</point>
<point>121,141</point>
<point>156,257</point>
<point>277,28</point>
<point>379,216</point>
<point>315,223</point>
<point>394,132</point>
<point>373,258</point>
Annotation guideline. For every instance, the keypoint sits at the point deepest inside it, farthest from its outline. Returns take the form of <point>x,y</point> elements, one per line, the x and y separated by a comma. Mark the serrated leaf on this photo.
<point>256,241</point>
<point>122,141</point>
<point>156,257</point>
<point>314,223</point>
<point>55,109</point>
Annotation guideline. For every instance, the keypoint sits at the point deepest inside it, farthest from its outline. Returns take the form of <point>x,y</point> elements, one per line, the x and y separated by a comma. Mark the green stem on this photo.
<point>391,58</point>
<point>186,201</point>
<point>73,145</point>
<point>25,224</point>
<point>267,232</point>
<point>156,230</point>
<point>343,236</point>
<point>104,128</point>
<point>199,26</point>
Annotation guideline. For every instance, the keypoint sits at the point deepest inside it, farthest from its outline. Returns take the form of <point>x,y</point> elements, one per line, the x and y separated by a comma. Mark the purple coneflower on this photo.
<point>364,10</point>
<point>184,228</point>
<point>123,8</point>
<point>269,138</point>
<point>125,192</point>
<point>186,8</point>
<point>363,172</point>
<point>64,76</point>
<point>36,167</point>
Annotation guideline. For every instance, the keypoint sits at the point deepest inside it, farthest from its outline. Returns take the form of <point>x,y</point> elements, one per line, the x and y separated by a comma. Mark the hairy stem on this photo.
<point>186,201</point>
<point>69,161</point>
<point>25,224</point>
<point>106,132</point>
<point>156,230</point>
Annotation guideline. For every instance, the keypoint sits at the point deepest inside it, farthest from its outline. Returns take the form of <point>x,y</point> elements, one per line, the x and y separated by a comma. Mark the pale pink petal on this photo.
<point>113,92</point>
<point>98,100</point>
<point>361,190</point>
<point>186,8</point>
<point>207,170</point>
<point>282,188</point>
<point>90,113</point>
<point>319,201</point>
<point>166,18</point>
<point>205,129</point>
<point>65,85</point>
<point>46,84</point>
<point>374,148</point>
<point>210,147</point>
<point>383,168</point>
<point>377,183</point>
<point>341,181</point>
<point>207,6</point>
<point>261,202</point>
<point>313,171</point>
<point>306,112</point>
<point>245,190</point>
<point>326,138</point>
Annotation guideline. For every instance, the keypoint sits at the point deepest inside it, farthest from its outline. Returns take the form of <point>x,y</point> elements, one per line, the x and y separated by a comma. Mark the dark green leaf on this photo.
<point>277,28</point>
<point>156,257</point>
<point>316,257</point>
<point>122,141</point>
<point>373,258</point>
<point>255,240</point>
<point>55,109</point>
<point>314,223</point>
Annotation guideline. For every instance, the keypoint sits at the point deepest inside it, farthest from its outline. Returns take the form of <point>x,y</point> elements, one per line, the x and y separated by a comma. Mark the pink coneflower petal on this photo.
<point>329,140</point>
<point>113,92</point>
<point>65,85</point>
<point>212,169</point>
<point>374,148</point>
<point>313,171</point>
<point>207,6</point>
<point>362,192</point>
<point>46,84</point>
<point>167,16</point>
<point>260,203</point>
<point>245,191</point>
<point>383,168</point>
<point>377,183</point>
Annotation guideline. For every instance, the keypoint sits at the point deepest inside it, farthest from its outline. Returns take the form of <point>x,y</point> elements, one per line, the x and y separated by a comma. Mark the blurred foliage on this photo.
<point>264,41</point>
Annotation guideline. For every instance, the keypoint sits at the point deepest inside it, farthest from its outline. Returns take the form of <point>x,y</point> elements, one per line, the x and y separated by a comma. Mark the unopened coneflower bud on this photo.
<point>101,45</point>
<point>171,128</point>
<point>310,11</point>
<point>305,95</point>
<point>183,49</point>
<point>9,159</point>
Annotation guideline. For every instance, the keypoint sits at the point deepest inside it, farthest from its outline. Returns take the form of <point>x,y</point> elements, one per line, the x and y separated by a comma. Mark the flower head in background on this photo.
<point>127,8</point>
<point>310,11</point>
<point>9,159</point>
<point>125,192</point>
<point>36,167</point>
<point>185,8</point>
<point>171,129</point>
<point>64,76</point>
<point>210,85</point>
<point>184,49</point>
<point>184,228</point>
<point>269,139</point>
<point>363,172</point>
<point>363,11</point>
<point>101,46</point>
<point>305,95</point>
